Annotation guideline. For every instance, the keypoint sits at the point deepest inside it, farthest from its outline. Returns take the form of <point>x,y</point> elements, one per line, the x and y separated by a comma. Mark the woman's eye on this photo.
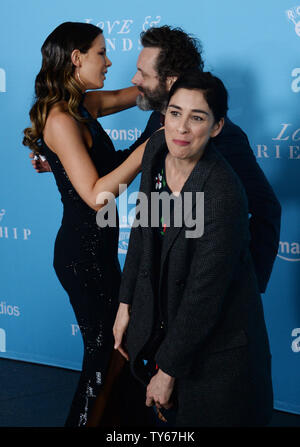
<point>174,113</point>
<point>197,118</point>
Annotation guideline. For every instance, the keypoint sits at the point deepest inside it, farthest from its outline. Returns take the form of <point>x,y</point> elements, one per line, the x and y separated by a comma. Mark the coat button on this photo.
<point>145,274</point>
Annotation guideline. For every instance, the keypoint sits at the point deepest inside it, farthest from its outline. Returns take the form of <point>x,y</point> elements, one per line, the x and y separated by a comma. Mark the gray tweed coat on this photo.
<point>216,343</point>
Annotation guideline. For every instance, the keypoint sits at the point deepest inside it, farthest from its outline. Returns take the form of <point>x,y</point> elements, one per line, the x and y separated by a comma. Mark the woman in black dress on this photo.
<point>65,129</point>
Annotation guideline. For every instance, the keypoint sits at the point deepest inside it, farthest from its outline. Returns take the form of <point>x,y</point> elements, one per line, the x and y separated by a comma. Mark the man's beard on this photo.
<point>153,99</point>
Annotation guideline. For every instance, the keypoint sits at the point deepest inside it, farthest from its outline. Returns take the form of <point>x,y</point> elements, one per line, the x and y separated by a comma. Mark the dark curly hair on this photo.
<point>179,51</point>
<point>214,91</point>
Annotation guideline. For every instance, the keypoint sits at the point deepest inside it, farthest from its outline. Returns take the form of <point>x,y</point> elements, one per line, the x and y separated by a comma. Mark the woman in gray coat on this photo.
<point>189,299</point>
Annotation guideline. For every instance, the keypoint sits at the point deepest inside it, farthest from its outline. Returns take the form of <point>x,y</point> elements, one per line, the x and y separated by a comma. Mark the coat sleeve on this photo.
<point>214,263</point>
<point>264,207</point>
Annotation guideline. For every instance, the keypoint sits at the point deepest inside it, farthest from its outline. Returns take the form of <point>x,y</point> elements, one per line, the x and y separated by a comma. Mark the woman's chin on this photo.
<point>178,153</point>
<point>97,86</point>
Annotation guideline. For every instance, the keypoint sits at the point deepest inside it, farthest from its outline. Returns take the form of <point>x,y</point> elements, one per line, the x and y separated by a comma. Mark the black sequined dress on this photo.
<point>86,263</point>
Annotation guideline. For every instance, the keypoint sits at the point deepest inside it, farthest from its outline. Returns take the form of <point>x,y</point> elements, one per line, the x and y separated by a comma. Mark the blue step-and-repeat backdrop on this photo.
<point>254,47</point>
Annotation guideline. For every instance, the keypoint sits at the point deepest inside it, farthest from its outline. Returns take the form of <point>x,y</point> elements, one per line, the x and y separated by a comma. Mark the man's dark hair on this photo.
<point>179,51</point>
<point>213,89</point>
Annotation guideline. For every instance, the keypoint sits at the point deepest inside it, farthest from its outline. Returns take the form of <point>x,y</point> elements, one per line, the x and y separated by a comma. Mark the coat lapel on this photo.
<point>195,183</point>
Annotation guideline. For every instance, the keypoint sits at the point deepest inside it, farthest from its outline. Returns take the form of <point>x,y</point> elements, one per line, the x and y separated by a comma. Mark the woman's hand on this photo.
<point>119,328</point>
<point>38,164</point>
<point>159,390</point>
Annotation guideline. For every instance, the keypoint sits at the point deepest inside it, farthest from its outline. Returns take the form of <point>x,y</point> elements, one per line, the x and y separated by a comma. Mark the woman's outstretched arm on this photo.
<point>102,103</point>
<point>63,136</point>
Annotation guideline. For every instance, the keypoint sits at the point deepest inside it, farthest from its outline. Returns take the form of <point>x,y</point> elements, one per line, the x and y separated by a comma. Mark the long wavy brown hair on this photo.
<point>55,81</point>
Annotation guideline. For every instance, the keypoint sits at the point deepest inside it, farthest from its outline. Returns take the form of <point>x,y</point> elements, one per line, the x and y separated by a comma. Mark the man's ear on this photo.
<point>170,81</point>
<point>217,128</point>
<point>76,58</point>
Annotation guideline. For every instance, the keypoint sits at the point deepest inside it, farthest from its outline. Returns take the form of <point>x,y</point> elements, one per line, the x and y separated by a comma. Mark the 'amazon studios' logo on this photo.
<point>289,251</point>
<point>293,14</point>
<point>2,81</point>
<point>2,340</point>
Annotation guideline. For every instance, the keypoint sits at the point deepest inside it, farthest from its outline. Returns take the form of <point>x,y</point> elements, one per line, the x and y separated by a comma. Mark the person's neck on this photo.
<point>183,167</point>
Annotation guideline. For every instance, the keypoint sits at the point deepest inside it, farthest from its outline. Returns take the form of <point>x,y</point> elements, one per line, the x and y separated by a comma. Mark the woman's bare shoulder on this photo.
<point>59,125</point>
<point>58,112</point>
<point>58,117</point>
